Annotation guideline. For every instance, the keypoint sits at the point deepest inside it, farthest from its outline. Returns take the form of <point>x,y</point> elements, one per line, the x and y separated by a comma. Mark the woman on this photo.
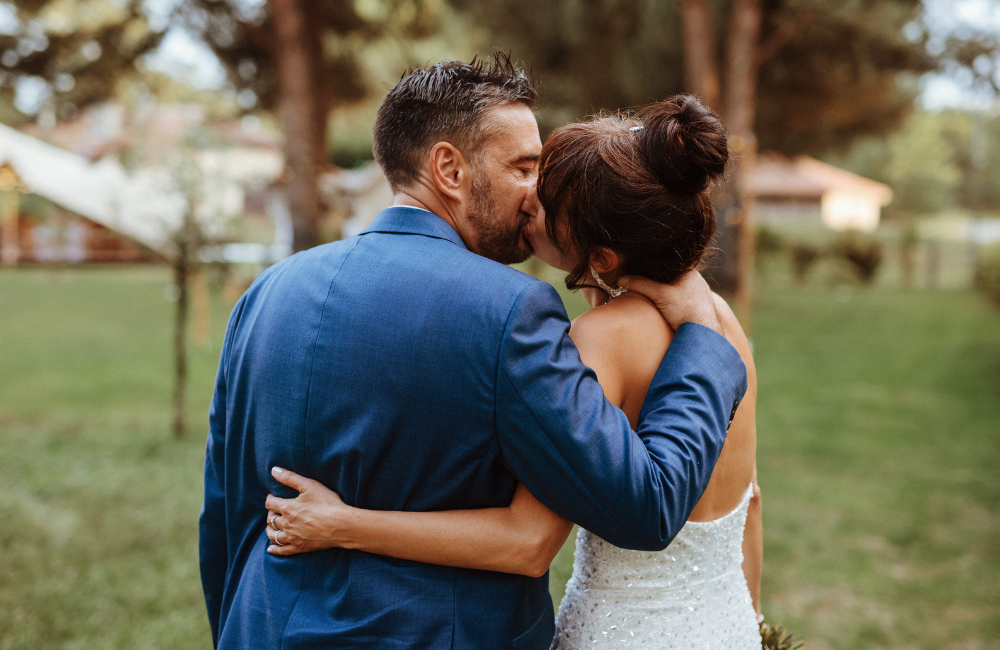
<point>622,195</point>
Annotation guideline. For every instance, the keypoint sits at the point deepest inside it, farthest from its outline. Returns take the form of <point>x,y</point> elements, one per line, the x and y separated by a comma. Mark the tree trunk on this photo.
<point>181,277</point>
<point>202,306</point>
<point>740,87</point>
<point>701,69</point>
<point>741,70</point>
<point>298,107</point>
<point>321,95</point>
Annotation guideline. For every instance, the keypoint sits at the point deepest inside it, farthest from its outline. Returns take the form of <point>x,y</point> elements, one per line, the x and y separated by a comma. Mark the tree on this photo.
<point>295,57</point>
<point>73,52</point>
<point>202,222</point>
<point>300,59</point>
<point>811,54</point>
<point>735,100</point>
<point>797,76</point>
<point>933,162</point>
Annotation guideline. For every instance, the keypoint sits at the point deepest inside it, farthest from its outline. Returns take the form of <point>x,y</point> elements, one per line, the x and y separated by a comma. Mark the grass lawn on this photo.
<point>879,448</point>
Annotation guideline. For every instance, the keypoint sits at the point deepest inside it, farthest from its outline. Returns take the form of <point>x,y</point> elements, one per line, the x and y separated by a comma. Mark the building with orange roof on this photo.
<point>803,189</point>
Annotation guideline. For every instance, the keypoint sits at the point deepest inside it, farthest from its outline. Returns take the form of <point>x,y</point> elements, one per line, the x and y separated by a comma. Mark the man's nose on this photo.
<point>531,205</point>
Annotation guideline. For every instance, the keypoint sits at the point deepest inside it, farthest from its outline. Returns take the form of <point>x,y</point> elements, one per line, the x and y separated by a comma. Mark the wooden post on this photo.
<point>740,104</point>
<point>733,99</point>
<point>10,236</point>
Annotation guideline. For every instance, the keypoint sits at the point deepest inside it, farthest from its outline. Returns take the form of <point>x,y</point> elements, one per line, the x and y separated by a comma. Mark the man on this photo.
<point>407,369</point>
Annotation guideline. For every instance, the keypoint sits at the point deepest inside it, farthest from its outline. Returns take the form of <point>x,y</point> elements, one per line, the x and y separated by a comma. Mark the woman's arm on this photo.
<point>753,545</point>
<point>521,538</point>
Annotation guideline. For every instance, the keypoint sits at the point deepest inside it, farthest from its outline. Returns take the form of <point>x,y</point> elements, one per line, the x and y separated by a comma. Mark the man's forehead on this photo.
<point>514,131</point>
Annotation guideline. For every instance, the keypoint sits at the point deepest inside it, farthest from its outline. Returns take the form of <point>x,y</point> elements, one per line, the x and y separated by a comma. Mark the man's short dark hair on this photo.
<point>445,102</point>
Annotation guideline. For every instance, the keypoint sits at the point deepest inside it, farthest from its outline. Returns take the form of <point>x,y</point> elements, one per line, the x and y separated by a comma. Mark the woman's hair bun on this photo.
<point>684,144</point>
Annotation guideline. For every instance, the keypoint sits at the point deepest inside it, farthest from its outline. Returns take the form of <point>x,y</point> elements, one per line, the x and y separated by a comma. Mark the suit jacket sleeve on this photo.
<point>213,549</point>
<point>578,454</point>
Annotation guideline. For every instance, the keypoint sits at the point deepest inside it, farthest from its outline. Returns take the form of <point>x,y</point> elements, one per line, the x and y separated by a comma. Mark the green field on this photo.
<point>879,429</point>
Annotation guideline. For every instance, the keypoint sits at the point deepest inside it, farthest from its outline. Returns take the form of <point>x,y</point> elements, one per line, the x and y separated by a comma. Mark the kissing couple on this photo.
<point>404,429</point>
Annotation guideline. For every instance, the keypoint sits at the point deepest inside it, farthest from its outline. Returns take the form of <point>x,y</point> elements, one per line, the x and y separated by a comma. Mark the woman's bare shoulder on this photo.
<point>627,321</point>
<point>623,341</point>
<point>735,334</point>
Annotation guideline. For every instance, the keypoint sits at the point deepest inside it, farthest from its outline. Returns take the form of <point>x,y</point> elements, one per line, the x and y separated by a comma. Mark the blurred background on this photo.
<point>156,155</point>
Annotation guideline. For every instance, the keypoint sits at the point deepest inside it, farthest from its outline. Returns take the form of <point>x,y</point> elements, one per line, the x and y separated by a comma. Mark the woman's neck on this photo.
<point>595,296</point>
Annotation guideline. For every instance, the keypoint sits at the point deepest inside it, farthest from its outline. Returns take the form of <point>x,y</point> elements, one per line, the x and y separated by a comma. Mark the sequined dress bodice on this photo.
<point>693,594</point>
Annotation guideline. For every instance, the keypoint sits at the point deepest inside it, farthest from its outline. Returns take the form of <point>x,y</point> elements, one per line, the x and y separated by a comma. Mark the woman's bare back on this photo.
<point>693,593</point>
<point>624,342</point>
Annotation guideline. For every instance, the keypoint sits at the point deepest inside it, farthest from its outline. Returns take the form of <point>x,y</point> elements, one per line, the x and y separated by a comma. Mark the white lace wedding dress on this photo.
<point>691,595</point>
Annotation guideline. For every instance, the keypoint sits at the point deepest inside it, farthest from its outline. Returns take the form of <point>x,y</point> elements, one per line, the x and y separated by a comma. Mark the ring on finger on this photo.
<point>278,541</point>
<point>274,526</point>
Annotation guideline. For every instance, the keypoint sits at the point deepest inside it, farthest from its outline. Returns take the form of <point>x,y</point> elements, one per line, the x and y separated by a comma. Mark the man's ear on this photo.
<point>449,170</point>
<point>604,260</point>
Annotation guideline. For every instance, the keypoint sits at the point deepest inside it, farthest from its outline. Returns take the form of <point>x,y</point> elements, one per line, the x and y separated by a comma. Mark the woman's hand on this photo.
<point>688,300</point>
<point>309,522</point>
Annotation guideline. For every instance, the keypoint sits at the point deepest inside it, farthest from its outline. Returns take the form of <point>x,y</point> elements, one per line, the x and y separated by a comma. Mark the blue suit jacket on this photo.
<point>407,373</point>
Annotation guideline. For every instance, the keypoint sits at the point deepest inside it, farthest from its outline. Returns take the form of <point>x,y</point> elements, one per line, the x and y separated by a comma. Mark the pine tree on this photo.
<point>300,59</point>
<point>794,76</point>
<point>74,52</point>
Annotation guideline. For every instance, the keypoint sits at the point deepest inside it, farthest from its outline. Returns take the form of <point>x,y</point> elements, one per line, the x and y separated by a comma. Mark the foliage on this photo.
<point>814,92</point>
<point>778,638</point>
<point>804,256</point>
<point>934,161</point>
<point>988,273</point>
<point>978,159</point>
<point>242,37</point>
<point>769,241</point>
<point>770,244</point>
<point>863,253</point>
<point>78,50</point>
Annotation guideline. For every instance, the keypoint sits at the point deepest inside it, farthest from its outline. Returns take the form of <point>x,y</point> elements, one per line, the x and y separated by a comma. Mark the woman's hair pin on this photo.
<point>636,128</point>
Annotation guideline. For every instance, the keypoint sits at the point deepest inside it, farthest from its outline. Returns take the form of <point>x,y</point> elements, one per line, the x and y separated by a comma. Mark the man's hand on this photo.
<point>689,300</point>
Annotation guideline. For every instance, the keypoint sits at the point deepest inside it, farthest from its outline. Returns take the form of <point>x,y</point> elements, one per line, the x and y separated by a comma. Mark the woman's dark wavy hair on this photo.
<point>444,102</point>
<point>637,184</point>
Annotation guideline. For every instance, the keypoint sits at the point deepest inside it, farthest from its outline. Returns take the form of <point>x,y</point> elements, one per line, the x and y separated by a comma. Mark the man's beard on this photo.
<point>497,239</point>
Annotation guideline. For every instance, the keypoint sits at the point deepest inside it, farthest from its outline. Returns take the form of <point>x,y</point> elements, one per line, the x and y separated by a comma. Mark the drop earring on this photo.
<point>614,293</point>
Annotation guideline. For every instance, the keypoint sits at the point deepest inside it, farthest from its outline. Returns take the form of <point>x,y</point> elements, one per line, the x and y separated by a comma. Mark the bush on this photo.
<point>769,241</point>
<point>804,256</point>
<point>908,243</point>
<point>988,273</point>
<point>769,244</point>
<point>863,254</point>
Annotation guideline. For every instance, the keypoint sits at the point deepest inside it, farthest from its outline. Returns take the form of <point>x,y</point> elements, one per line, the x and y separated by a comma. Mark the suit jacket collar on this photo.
<point>404,219</point>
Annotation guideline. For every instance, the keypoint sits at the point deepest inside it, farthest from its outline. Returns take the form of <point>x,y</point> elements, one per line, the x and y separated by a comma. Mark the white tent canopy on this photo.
<point>145,205</point>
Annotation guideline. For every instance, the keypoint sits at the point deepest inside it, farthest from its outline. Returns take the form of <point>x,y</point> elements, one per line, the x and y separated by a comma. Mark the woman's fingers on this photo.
<point>284,543</point>
<point>277,504</point>
<point>288,549</point>
<point>291,479</point>
<point>283,538</point>
<point>273,536</point>
<point>638,284</point>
